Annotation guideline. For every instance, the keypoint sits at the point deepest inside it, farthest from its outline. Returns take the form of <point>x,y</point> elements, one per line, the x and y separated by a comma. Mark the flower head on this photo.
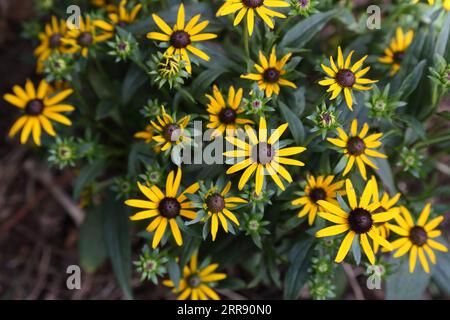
<point>395,54</point>
<point>63,152</point>
<point>164,209</point>
<point>345,77</point>
<point>358,147</point>
<point>270,73</point>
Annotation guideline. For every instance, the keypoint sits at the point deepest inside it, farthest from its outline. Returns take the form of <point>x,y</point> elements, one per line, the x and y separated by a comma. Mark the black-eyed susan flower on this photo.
<point>83,39</point>
<point>39,105</point>
<point>417,238</point>
<point>146,135</point>
<point>50,41</point>
<point>358,147</point>
<point>345,77</point>
<point>270,73</point>
<point>357,220</point>
<point>196,282</point>
<point>181,36</point>
<point>251,8</point>
<point>121,18</point>
<point>319,188</point>
<point>216,205</point>
<point>396,52</point>
<point>225,115</point>
<point>169,132</point>
<point>165,208</point>
<point>263,156</point>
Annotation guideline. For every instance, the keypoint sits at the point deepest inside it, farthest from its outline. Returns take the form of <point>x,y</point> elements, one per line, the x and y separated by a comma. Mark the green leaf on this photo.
<point>118,242</point>
<point>174,271</point>
<point>385,174</point>
<point>356,250</point>
<point>441,274</point>
<point>442,41</point>
<point>88,174</point>
<point>412,80</point>
<point>295,125</point>
<point>134,80</point>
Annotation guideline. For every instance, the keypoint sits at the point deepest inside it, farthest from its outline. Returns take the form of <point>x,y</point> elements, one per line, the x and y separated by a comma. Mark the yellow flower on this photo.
<point>181,36</point>
<point>164,208</point>
<point>320,188</point>
<point>417,238</point>
<point>345,77</point>
<point>109,5</point>
<point>39,107</point>
<point>249,7</point>
<point>217,205</point>
<point>195,282</point>
<point>385,204</point>
<point>225,115</point>
<point>395,53</point>
<point>121,19</point>
<point>170,131</point>
<point>263,156</point>
<point>358,220</point>
<point>50,41</point>
<point>270,73</point>
<point>430,2</point>
<point>82,39</point>
<point>358,147</point>
<point>146,135</point>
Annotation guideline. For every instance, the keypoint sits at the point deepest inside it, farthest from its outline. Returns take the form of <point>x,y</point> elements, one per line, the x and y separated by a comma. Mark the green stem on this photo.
<point>247,47</point>
<point>438,139</point>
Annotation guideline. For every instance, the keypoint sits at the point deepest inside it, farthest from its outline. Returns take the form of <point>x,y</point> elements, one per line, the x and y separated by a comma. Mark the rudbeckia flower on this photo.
<point>417,238</point>
<point>121,19</point>
<point>181,36</point>
<point>169,131</point>
<point>225,115</point>
<point>319,188</point>
<point>249,7</point>
<point>217,205</point>
<point>146,135</point>
<point>357,220</point>
<point>164,208</point>
<point>195,284</point>
<point>395,53</point>
<point>82,39</point>
<point>345,77</point>
<point>39,107</point>
<point>263,156</point>
<point>358,147</point>
<point>270,73</point>
<point>50,41</point>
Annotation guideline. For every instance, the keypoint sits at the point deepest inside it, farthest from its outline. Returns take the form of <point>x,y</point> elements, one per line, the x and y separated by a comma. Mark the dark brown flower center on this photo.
<point>55,40</point>
<point>169,207</point>
<point>227,116</point>
<point>253,3</point>
<point>271,75</point>
<point>317,194</point>
<point>418,236</point>
<point>194,281</point>
<point>356,146</point>
<point>262,153</point>
<point>215,203</point>
<point>122,24</point>
<point>172,132</point>
<point>360,220</point>
<point>34,107</point>
<point>180,39</point>
<point>85,39</point>
<point>399,56</point>
<point>345,78</point>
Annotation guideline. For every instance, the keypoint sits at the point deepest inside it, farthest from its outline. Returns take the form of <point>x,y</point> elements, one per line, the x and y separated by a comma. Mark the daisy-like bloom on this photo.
<point>165,208</point>
<point>39,105</point>
<point>263,156</point>
<point>358,147</point>
<point>196,281</point>
<point>50,41</point>
<point>270,73</point>
<point>345,77</point>
<point>396,52</point>
<point>218,205</point>
<point>385,204</point>
<point>249,7</point>
<point>357,220</point>
<point>417,238</point>
<point>181,36</point>
<point>82,39</point>
<point>169,131</point>
<point>225,115</point>
<point>319,188</point>
<point>122,18</point>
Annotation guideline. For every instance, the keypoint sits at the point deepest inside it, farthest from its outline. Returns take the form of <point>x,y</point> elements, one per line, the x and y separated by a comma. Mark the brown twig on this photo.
<point>357,291</point>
